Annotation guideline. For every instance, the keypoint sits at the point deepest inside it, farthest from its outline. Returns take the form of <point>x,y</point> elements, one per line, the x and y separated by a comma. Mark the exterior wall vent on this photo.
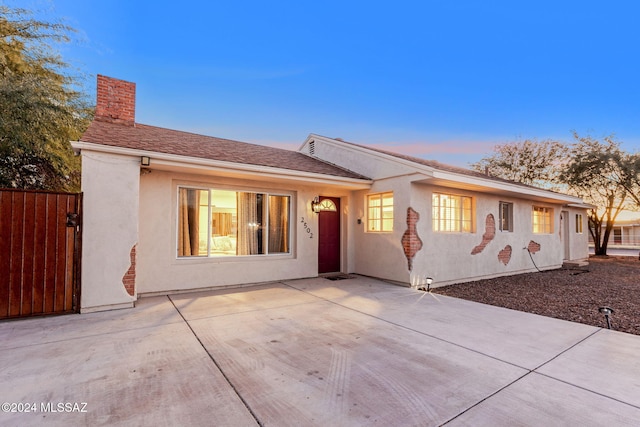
<point>312,148</point>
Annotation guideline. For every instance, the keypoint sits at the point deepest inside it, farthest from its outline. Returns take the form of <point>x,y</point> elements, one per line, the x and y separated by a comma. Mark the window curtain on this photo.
<point>221,223</point>
<point>278,224</point>
<point>189,220</point>
<point>248,223</point>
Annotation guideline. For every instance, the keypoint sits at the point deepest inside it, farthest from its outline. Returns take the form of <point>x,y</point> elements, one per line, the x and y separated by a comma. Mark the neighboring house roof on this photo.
<point>627,222</point>
<point>161,140</point>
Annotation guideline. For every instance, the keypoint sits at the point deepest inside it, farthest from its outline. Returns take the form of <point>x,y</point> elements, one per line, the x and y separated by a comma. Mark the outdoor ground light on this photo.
<point>607,311</point>
<point>428,281</point>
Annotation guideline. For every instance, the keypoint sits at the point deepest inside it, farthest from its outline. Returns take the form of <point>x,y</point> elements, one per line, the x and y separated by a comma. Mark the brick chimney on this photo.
<point>116,101</point>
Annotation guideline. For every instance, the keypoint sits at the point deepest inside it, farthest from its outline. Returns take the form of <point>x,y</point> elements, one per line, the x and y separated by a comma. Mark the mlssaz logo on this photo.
<point>63,407</point>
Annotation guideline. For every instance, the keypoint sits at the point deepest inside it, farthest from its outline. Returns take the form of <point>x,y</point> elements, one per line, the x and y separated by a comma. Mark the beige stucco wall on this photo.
<point>371,165</point>
<point>578,242</point>
<point>159,268</point>
<point>124,207</point>
<point>446,257</point>
<point>110,186</point>
<point>381,254</point>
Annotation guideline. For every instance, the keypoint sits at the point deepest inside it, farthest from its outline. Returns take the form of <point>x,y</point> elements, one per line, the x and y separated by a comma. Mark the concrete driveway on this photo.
<point>316,352</point>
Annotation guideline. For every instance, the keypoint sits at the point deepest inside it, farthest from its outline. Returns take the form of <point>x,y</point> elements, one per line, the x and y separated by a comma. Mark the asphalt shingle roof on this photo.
<point>167,141</point>
<point>447,168</point>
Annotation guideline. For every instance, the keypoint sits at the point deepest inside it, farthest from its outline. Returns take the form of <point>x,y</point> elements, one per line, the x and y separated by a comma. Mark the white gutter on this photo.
<point>164,161</point>
<point>581,205</point>
<point>505,186</point>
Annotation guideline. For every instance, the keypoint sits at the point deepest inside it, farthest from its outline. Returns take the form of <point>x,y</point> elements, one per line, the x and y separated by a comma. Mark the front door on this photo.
<point>329,238</point>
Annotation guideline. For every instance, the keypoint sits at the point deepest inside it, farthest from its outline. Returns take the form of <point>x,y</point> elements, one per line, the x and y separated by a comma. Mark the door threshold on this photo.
<point>336,276</point>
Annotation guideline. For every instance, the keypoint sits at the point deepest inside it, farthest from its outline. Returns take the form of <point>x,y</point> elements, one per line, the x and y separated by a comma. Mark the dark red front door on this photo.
<point>329,239</point>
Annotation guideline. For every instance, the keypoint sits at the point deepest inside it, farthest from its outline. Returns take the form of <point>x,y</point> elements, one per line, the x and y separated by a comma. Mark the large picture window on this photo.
<point>380,212</point>
<point>542,219</point>
<point>452,213</point>
<point>214,222</point>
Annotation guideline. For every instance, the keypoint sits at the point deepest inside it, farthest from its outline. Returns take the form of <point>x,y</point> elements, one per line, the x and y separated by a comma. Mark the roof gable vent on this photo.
<point>312,148</point>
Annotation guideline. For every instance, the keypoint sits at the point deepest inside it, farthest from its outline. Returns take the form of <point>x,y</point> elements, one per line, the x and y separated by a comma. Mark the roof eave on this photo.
<point>453,180</point>
<point>173,162</point>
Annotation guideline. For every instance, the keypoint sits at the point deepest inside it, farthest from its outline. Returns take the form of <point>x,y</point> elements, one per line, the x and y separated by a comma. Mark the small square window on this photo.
<point>452,213</point>
<point>506,216</point>
<point>542,219</point>
<point>380,212</point>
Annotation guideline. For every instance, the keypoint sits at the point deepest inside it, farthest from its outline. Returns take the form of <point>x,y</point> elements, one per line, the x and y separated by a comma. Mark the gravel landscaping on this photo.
<point>571,294</point>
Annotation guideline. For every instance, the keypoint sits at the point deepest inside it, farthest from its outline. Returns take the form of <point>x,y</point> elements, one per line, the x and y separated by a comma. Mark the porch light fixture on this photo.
<point>326,205</point>
<point>607,311</point>
<point>145,160</point>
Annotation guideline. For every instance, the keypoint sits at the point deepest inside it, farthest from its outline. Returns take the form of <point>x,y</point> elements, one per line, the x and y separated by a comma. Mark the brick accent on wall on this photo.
<point>533,247</point>
<point>411,242</point>
<point>116,101</point>
<point>504,256</point>
<point>489,234</point>
<point>129,278</point>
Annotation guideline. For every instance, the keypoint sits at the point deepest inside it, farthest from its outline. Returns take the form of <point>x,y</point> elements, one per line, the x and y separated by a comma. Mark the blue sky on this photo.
<point>444,80</point>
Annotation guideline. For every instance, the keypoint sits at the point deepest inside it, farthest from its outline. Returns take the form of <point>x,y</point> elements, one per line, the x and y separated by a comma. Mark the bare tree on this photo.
<point>532,162</point>
<point>598,171</point>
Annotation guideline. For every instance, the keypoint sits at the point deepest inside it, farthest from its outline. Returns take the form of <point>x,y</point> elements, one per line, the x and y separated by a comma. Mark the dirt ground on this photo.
<point>569,294</point>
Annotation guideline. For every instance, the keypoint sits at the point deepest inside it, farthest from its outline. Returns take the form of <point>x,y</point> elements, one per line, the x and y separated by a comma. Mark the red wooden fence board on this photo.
<point>38,254</point>
<point>5,259</point>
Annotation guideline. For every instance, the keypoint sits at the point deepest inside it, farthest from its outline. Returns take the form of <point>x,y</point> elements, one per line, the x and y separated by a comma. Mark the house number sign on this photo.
<point>306,227</point>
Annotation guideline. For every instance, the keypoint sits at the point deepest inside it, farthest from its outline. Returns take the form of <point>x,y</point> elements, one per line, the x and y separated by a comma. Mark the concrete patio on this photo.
<point>316,352</point>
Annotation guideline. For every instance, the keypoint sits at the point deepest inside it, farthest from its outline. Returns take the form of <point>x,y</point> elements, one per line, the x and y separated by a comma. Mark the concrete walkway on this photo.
<point>316,352</point>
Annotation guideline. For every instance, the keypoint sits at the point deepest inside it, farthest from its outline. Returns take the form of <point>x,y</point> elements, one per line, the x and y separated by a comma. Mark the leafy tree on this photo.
<point>598,171</point>
<point>531,162</point>
<point>601,173</point>
<point>40,109</point>
<point>632,184</point>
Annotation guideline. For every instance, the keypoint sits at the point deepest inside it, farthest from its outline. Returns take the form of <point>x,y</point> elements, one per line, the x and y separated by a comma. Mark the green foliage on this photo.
<point>601,173</point>
<point>40,111</point>
<point>530,162</point>
<point>633,183</point>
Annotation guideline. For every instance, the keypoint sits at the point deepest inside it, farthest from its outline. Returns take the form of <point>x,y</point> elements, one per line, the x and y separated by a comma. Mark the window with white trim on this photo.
<point>380,212</point>
<point>506,216</point>
<point>213,222</point>
<point>542,220</point>
<point>452,213</point>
